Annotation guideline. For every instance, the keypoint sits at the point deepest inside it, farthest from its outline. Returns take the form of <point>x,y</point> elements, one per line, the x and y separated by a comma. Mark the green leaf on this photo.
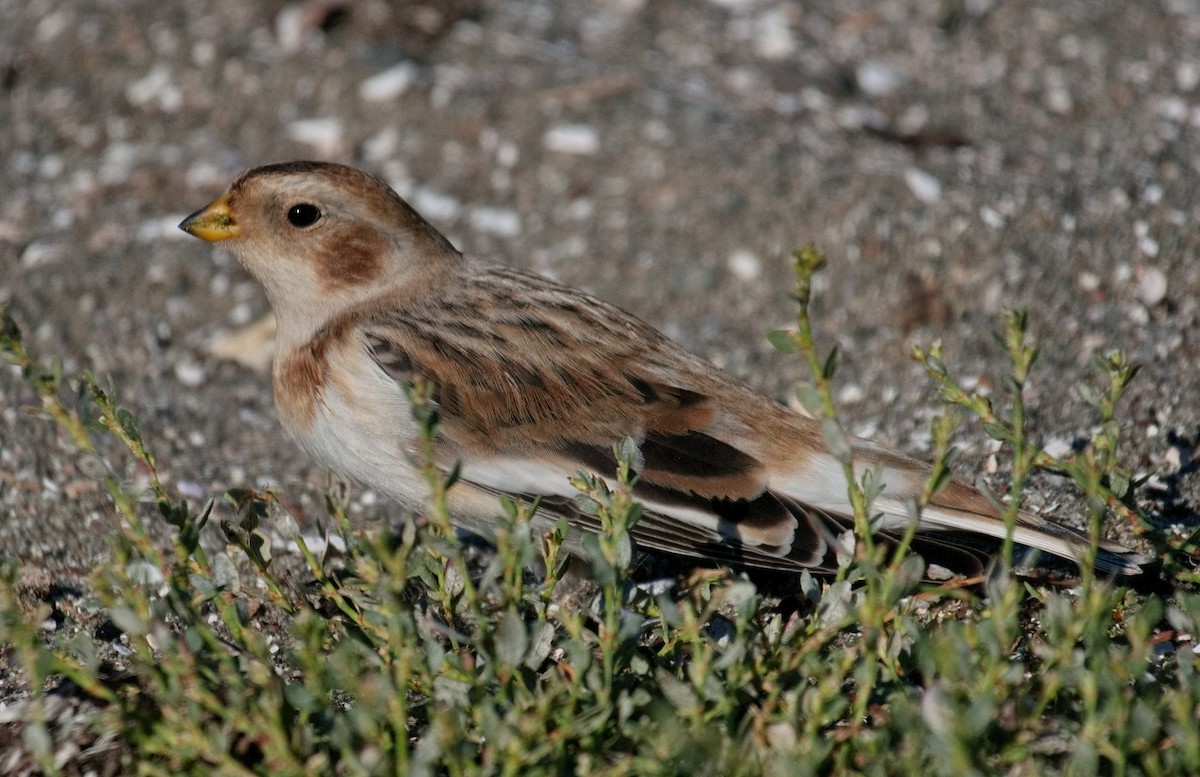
<point>836,441</point>
<point>1088,393</point>
<point>300,697</point>
<point>455,472</point>
<point>125,619</point>
<point>203,588</point>
<point>627,452</point>
<point>513,639</point>
<point>129,425</point>
<point>9,331</point>
<point>872,484</point>
<point>678,693</point>
<point>808,260</point>
<point>810,399</point>
<point>996,431</point>
<point>587,505</point>
<point>1032,356</point>
<point>539,648</point>
<point>981,486</point>
<point>590,543</point>
<point>83,647</point>
<point>831,363</point>
<point>624,547</point>
<point>911,570</point>
<point>935,365</point>
<point>783,340</point>
<point>738,592</point>
<point>1118,481</point>
<point>37,738</point>
<point>940,478</point>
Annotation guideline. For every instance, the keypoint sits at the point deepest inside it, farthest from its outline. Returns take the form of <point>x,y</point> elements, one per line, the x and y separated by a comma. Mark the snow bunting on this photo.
<point>535,381</point>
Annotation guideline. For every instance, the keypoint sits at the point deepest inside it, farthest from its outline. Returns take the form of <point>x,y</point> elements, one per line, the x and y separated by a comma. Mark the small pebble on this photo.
<point>435,205</point>
<point>496,221</point>
<point>877,79</point>
<point>191,490</point>
<point>991,217</point>
<point>924,186</point>
<point>1058,447</point>
<point>144,573</point>
<point>325,135</point>
<point>382,145</point>
<point>42,254</point>
<point>851,393</point>
<point>155,90</point>
<point>1151,285</point>
<point>388,85</point>
<point>1173,109</point>
<point>190,373</point>
<point>744,264</point>
<point>579,139</point>
<point>773,37</point>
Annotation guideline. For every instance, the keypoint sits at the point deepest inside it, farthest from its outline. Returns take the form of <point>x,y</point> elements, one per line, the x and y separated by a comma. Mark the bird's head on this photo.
<point>321,237</point>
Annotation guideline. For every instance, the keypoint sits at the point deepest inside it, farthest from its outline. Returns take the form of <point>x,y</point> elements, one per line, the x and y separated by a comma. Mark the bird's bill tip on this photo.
<point>214,222</point>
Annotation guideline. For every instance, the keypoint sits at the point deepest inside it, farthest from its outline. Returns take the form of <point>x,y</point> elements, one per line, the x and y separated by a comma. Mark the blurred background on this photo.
<point>952,159</point>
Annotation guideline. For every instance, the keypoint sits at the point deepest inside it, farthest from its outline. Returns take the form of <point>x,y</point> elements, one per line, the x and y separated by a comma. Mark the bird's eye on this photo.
<point>303,215</point>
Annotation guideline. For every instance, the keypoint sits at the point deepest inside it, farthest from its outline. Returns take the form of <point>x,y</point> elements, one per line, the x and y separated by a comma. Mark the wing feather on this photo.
<point>543,381</point>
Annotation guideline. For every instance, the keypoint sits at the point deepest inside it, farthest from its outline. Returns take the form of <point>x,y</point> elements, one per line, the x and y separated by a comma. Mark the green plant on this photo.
<point>409,655</point>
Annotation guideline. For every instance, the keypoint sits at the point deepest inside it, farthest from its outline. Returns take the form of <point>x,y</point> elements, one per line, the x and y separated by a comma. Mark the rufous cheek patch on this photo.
<point>351,257</point>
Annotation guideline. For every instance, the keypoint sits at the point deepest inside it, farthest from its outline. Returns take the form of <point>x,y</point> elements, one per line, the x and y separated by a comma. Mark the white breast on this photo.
<point>364,430</point>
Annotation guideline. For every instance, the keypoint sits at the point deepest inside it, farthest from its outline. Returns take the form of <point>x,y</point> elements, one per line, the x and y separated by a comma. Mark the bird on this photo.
<point>534,381</point>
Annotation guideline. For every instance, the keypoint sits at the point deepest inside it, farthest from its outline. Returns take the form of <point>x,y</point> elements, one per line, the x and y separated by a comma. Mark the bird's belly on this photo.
<point>369,436</point>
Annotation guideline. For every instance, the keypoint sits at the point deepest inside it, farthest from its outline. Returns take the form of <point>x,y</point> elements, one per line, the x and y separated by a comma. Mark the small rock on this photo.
<point>1151,285</point>
<point>155,89</point>
<point>580,139</point>
<point>191,490</point>
<point>389,84</point>
<point>991,217</point>
<point>435,205</point>
<point>190,373</point>
<point>877,79</point>
<point>325,135</point>
<point>773,37</point>
<point>924,186</point>
<point>744,264</point>
<point>41,254</point>
<point>851,393</point>
<point>496,221</point>
<point>1057,447</point>
<point>299,20</point>
<point>382,145</point>
<point>1088,281</point>
<point>1173,109</point>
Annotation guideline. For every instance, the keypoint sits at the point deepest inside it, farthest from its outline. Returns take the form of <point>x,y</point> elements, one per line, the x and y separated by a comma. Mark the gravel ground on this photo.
<point>953,159</point>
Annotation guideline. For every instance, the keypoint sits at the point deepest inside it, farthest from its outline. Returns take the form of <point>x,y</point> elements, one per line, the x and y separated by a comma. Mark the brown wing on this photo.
<point>542,381</point>
<point>552,378</point>
<point>543,369</point>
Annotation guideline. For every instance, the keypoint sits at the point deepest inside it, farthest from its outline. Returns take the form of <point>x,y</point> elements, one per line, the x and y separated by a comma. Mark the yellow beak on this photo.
<point>215,222</point>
